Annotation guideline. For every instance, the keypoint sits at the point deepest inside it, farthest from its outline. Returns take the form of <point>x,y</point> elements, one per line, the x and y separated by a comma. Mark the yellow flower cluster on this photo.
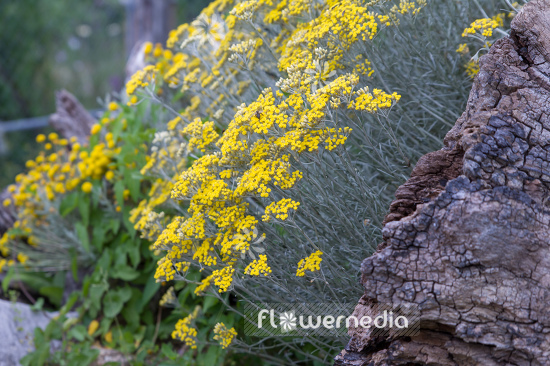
<point>200,134</point>
<point>185,331</point>
<point>280,209</point>
<point>223,335</point>
<point>95,163</point>
<point>258,267</point>
<point>372,102</point>
<point>472,68</point>
<point>257,148</point>
<point>334,137</point>
<point>408,7</point>
<point>6,262</point>
<point>223,278</point>
<point>63,166</point>
<point>339,26</point>
<point>229,179</point>
<point>205,284</point>
<point>22,258</point>
<point>140,79</point>
<point>165,270</point>
<point>169,298</point>
<point>463,48</point>
<point>483,26</point>
<point>58,172</point>
<point>311,263</point>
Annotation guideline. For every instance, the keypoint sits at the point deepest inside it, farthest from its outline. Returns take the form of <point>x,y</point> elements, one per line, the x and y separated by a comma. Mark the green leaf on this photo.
<point>119,192</point>
<point>70,303</point>
<point>84,209</point>
<point>114,225</point>
<point>130,310</point>
<point>211,356</point>
<point>168,351</point>
<point>38,304</point>
<point>74,265</point>
<point>125,273</point>
<point>209,301</point>
<point>96,293</point>
<point>133,253</point>
<point>134,185</point>
<point>151,288</point>
<point>98,237</point>
<point>68,203</point>
<point>95,197</point>
<point>78,332</point>
<point>105,261</point>
<point>33,280</point>
<point>116,129</point>
<point>6,281</point>
<point>53,293</point>
<point>82,234</point>
<point>139,335</point>
<point>43,352</point>
<point>114,301</point>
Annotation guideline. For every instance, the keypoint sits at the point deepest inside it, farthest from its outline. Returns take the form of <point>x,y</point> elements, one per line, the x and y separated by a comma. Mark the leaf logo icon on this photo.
<point>287,321</point>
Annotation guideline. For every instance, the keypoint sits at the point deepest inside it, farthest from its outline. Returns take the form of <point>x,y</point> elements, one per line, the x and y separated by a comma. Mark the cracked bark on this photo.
<point>467,240</point>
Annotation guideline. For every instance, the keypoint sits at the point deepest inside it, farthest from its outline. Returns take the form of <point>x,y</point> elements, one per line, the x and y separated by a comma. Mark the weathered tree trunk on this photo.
<point>71,119</point>
<point>467,240</point>
<point>146,21</point>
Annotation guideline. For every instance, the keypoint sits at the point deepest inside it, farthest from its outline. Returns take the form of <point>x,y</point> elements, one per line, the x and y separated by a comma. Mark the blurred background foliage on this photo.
<point>60,44</point>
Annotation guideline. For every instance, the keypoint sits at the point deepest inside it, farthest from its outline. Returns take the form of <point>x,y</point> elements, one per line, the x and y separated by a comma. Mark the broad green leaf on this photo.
<point>78,332</point>
<point>151,288</point>
<point>125,273</point>
<point>6,281</point>
<point>98,237</point>
<point>84,209</point>
<point>68,204</point>
<point>54,293</point>
<point>119,192</point>
<point>82,234</point>
<point>133,253</point>
<point>114,300</point>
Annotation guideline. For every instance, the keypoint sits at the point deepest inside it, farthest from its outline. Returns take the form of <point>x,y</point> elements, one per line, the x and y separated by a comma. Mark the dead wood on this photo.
<point>467,240</point>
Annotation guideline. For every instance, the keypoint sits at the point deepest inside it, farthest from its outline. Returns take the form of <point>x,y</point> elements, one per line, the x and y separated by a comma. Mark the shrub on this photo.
<point>293,124</point>
<point>73,226</point>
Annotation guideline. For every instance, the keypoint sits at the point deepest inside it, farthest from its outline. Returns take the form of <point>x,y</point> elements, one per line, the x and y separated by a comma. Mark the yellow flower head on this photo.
<point>95,129</point>
<point>94,324</point>
<point>223,335</point>
<point>113,106</point>
<point>87,187</point>
<point>311,263</point>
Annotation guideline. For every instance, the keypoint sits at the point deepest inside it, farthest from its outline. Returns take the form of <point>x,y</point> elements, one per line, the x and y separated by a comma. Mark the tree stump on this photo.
<point>467,240</point>
<point>71,119</point>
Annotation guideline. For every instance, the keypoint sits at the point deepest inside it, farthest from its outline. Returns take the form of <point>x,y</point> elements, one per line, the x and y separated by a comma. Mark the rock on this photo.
<point>467,240</point>
<point>18,322</point>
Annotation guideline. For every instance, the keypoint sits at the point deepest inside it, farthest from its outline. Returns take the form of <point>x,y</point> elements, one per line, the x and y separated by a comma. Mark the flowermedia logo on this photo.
<point>328,320</point>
